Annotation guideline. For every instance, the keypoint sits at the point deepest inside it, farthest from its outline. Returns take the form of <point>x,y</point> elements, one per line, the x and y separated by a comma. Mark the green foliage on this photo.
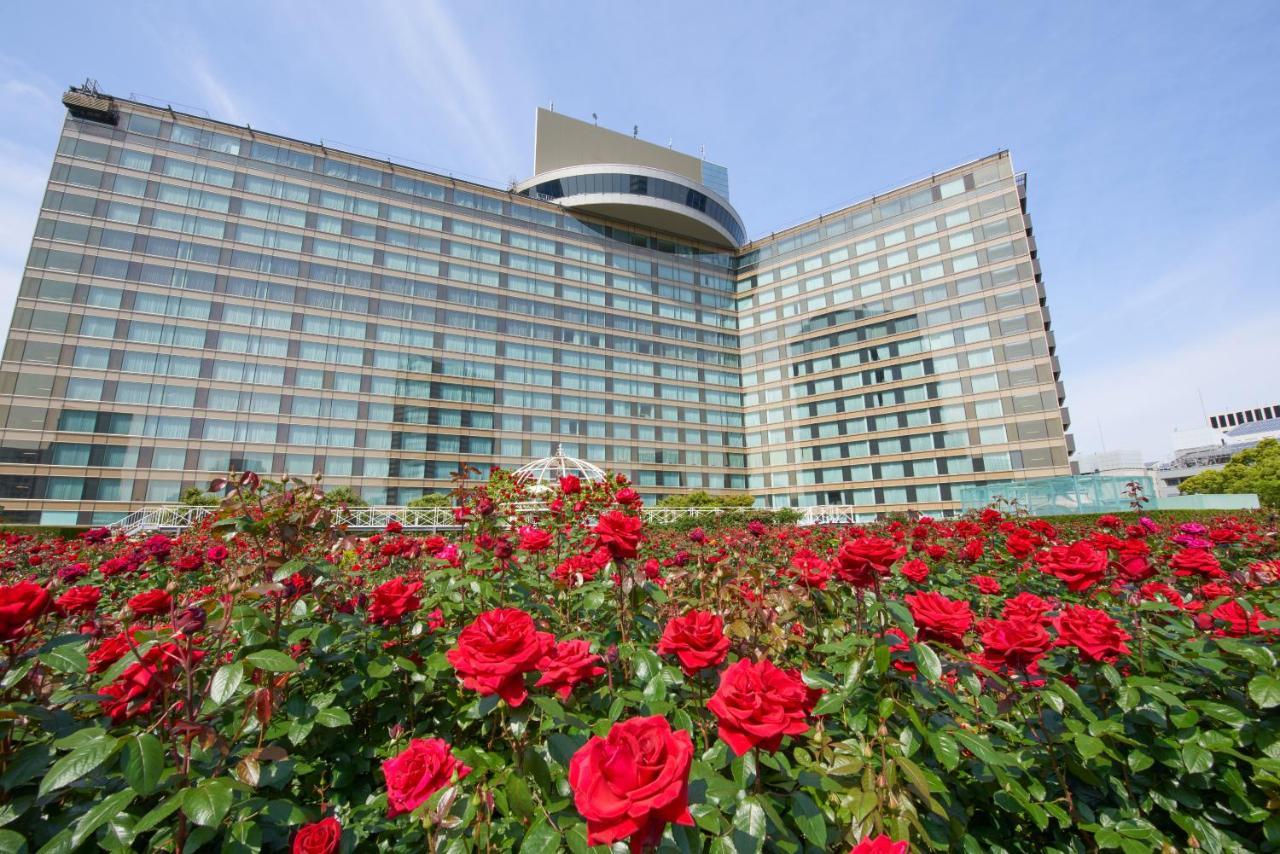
<point>699,498</point>
<point>430,500</point>
<point>341,496</point>
<point>194,496</point>
<point>1253,470</point>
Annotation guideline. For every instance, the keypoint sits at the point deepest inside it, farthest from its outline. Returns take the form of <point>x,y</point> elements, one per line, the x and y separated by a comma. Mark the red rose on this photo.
<point>393,599</point>
<point>534,539</point>
<point>21,605</point>
<point>142,684</point>
<point>915,570</point>
<point>495,652</point>
<point>986,584</point>
<point>424,767</point>
<point>570,485</point>
<point>1026,606</point>
<point>633,782</point>
<point>1093,632</point>
<point>757,704</point>
<point>939,618</point>
<point>619,533</point>
<point>861,562</point>
<point>79,600</point>
<point>1079,565</point>
<point>697,639</point>
<point>216,553</point>
<point>111,650</point>
<point>321,837</point>
<point>1016,644</point>
<point>626,496</point>
<point>1238,622</point>
<point>879,845</point>
<point>151,602</point>
<point>567,664</point>
<point>1190,562</point>
<point>1136,568</point>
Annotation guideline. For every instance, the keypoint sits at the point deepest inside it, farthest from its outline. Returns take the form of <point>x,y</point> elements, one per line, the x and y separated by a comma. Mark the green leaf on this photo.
<point>748,826</point>
<point>159,813</point>
<point>1089,746</point>
<point>84,759</point>
<point>1265,691</point>
<point>810,820</point>
<point>273,660</point>
<point>518,797</point>
<point>65,658</point>
<point>542,838</point>
<point>12,843</point>
<point>946,749</point>
<point>105,811</point>
<point>226,681</point>
<point>208,803</point>
<point>334,716</point>
<point>143,762</point>
<point>1196,759</point>
<point>25,765</point>
<point>927,661</point>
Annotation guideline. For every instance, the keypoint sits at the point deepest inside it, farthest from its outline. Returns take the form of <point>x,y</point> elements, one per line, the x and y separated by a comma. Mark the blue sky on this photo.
<point>1150,133</point>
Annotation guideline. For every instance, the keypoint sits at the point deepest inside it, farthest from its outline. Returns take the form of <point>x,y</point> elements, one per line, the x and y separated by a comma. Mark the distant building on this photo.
<point>1116,463</point>
<point>1209,448</point>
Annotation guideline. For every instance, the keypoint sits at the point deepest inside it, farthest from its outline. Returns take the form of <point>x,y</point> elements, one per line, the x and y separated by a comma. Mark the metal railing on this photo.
<point>180,517</point>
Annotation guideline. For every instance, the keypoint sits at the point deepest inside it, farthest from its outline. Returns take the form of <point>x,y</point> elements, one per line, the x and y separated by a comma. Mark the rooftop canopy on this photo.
<point>559,465</point>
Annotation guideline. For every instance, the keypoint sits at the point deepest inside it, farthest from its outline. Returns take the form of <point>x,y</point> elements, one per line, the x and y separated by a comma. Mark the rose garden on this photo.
<point>569,678</point>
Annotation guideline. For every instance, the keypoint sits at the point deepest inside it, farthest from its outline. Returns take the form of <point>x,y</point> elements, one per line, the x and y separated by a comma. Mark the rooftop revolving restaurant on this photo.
<point>202,297</point>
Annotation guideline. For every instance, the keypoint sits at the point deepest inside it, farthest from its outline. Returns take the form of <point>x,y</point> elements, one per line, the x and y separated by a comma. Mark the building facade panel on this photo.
<point>201,297</point>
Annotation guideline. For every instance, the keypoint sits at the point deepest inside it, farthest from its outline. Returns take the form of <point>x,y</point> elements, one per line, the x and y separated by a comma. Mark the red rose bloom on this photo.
<point>21,605</point>
<point>1232,620</point>
<point>862,561</point>
<point>915,570</point>
<point>534,539</point>
<point>986,584</point>
<point>151,602</point>
<point>424,767</point>
<point>216,553</point>
<point>939,618</point>
<point>1079,565</point>
<point>570,485</point>
<point>633,782</point>
<point>696,639</point>
<point>567,664</point>
<point>619,533</point>
<point>757,704</point>
<point>1015,644</point>
<point>79,600</point>
<point>1189,562</point>
<point>393,599</point>
<point>111,650</point>
<point>495,652</point>
<point>1026,606</point>
<point>1136,568</point>
<point>142,684</point>
<point>1093,632</point>
<point>321,837</point>
<point>879,845</point>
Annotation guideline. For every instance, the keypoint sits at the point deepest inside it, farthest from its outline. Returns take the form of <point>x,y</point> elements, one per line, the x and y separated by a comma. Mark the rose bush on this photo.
<point>571,679</point>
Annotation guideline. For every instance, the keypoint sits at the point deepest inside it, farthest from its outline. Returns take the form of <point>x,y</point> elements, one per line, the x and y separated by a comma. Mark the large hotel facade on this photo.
<point>202,297</point>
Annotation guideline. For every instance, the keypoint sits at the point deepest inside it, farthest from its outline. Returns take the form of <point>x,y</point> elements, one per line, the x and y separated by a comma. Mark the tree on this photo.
<point>344,495</point>
<point>194,496</point>
<point>1255,470</point>
<point>700,498</point>
<point>430,500</point>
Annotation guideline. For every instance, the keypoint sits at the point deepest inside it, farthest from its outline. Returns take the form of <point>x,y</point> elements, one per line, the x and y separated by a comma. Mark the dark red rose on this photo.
<point>424,767</point>
<point>757,704</point>
<point>1079,565</point>
<point>567,664</point>
<point>143,684</point>
<point>570,485</point>
<point>880,845</point>
<point>1232,620</point>
<point>393,599</point>
<point>1093,632</point>
<point>21,605</point>
<point>111,650</point>
<point>321,837</point>
<point>79,600</point>
<point>1026,606</point>
<point>495,652</point>
<point>633,782</point>
<point>216,553</point>
<point>1136,568</point>
<point>626,496</point>
<point>151,602</point>
<point>861,562</point>
<point>393,527</point>
<point>696,639</point>
<point>986,584</point>
<point>619,533</point>
<point>939,618</point>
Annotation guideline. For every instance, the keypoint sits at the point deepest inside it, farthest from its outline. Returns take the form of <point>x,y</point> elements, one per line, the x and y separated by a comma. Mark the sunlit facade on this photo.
<point>202,297</point>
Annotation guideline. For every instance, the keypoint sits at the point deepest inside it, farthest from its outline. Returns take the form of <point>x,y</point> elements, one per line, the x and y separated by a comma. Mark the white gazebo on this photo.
<point>542,474</point>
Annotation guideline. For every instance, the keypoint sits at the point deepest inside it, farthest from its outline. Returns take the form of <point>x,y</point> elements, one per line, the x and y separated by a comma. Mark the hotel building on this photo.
<point>201,296</point>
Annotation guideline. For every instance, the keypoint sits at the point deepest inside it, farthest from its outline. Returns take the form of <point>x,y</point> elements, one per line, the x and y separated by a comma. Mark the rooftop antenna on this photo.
<point>702,152</point>
<point>635,131</point>
<point>553,105</point>
<point>595,119</point>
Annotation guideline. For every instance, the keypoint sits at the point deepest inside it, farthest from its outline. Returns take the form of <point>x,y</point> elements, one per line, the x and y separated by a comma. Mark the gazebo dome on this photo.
<point>548,470</point>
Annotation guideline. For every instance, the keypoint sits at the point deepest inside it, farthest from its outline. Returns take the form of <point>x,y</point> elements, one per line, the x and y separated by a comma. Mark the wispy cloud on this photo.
<point>220,101</point>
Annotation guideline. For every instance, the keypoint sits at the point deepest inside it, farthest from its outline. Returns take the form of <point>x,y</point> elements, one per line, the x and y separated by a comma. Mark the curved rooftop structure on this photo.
<point>559,465</point>
<point>580,165</point>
